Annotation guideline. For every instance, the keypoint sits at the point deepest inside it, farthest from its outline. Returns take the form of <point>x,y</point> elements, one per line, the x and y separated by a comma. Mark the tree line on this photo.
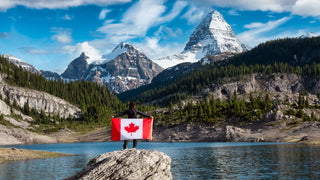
<point>96,102</point>
<point>291,55</point>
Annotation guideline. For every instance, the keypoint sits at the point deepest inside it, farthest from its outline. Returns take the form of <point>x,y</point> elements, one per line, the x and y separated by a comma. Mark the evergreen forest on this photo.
<point>98,103</point>
<point>291,55</point>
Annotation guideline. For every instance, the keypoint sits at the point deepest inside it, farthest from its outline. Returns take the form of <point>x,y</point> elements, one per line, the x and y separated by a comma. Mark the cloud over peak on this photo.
<point>56,4</point>
<point>298,7</point>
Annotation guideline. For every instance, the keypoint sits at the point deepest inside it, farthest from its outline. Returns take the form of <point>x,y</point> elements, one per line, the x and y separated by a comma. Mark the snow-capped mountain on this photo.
<point>212,36</point>
<point>21,63</point>
<point>125,68</point>
<point>308,35</point>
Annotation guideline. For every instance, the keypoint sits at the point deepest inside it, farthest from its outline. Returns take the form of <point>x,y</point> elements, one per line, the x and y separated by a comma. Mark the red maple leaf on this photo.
<point>132,128</point>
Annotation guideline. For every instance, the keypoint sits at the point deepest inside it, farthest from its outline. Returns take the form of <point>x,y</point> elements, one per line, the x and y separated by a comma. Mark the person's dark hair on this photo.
<point>132,105</point>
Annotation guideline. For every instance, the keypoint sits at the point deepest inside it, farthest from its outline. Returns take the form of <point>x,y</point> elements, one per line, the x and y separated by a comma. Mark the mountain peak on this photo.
<point>21,63</point>
<point>212,36</point>
<point>216,32</point>
<point>83,54</point>
<point>308,35</point>
<point>214,20</point>
<point>76,68</point>
<point>120,49</point>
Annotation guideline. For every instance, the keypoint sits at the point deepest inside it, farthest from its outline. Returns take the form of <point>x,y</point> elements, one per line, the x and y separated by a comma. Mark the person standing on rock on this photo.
<point>132,113</point>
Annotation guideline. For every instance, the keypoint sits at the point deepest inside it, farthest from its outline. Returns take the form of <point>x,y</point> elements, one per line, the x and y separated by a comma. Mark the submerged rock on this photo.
<point>127,164</point>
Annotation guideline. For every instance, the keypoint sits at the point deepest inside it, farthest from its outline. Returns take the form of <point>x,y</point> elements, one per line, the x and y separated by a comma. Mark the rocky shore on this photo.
<point>270,131</point>
<point>127,164</point>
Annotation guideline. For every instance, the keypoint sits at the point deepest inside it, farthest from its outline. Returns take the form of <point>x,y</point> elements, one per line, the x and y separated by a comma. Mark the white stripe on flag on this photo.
<point>131,129</point>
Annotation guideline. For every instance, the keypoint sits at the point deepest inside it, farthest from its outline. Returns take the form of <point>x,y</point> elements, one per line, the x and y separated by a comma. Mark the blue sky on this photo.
<point>50,33</point>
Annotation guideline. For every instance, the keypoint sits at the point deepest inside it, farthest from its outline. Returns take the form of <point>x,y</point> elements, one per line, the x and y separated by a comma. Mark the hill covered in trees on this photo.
<point>299,56</point>
<point>97,103</point>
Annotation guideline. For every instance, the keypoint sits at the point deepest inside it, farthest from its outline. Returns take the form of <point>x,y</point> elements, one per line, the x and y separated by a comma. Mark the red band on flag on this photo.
<point>147,129</point>
<point>115,131</point>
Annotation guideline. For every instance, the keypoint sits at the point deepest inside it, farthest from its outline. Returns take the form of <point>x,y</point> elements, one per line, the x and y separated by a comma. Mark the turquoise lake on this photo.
<point>189,160</point>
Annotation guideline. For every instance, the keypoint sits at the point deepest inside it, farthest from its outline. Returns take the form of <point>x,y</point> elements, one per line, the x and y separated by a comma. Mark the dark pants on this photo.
<point>125,143</point>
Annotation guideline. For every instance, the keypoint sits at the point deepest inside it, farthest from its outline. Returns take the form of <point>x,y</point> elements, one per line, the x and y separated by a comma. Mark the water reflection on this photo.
<point>189,160</point>
<point>247,162</point>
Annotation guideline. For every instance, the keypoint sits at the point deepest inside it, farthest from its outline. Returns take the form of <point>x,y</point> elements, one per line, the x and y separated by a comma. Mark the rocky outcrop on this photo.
<point>9,136</point>
<point>4,108</point>
<point>127,164</point>
<point>201,132</point>
<point>37,100</point>
<point>280,86</point>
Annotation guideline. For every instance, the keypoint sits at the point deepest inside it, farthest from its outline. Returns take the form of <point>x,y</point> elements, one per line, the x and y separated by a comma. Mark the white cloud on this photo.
<point>6,4</point>
<point>233,12</point>
<point>256,33</point>
<point>177,8</point>
<point>254,25</point>
<point>62,37</point>
<point>89,50</point>
<point>33,51</point>
<point>298,7</point>
<point>193,15</point>
<point>67,17</point>
<point>103,13</point>
<point>139,19</point>
<point>264,5</point>
<point>307,8</point>
<point>154,50</point>
<point>56,4</point>
<point>166,32</point>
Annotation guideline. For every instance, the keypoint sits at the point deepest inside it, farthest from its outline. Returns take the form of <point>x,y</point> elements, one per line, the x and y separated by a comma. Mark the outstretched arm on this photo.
<point>143,114</point>
<point>121,114</point>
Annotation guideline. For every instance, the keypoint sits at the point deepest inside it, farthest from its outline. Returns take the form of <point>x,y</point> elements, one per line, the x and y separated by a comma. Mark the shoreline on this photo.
<point>268,131</point>
<point>9,154</point>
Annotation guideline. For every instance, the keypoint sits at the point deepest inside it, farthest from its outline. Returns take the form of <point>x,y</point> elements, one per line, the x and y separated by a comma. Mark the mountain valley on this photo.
<point>216,89</point>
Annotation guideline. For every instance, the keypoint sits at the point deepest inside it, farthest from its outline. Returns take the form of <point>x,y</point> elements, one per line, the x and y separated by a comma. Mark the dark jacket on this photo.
<point>132,113</point>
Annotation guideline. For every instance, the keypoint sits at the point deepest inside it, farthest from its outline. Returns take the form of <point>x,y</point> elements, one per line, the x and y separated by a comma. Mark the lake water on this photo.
<point>189,160</point>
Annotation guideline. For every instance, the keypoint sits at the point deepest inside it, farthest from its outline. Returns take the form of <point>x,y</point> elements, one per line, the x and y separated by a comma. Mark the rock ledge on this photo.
<point>127,164</point>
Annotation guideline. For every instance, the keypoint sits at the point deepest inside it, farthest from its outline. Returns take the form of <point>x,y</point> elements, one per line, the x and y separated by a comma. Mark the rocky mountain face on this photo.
<point>21,63</point>
<point>128,69</point>
<point>40,101</point>
<point>77,68</point>
<point>21,124</point>
<point>50,75</point>
<point>212,36</point>
<point>127,164</point>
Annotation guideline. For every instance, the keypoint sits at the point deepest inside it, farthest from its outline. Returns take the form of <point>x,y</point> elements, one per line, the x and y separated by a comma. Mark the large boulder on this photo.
<point>127,164</point>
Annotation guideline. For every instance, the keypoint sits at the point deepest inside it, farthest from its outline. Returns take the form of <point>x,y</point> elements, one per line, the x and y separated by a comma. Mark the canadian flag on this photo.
<point>126,129</point>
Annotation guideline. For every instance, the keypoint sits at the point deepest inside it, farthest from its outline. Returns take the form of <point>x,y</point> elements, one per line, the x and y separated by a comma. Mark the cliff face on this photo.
<point>38,100</point>
<point>279,86</point>
<point>127,164</point>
